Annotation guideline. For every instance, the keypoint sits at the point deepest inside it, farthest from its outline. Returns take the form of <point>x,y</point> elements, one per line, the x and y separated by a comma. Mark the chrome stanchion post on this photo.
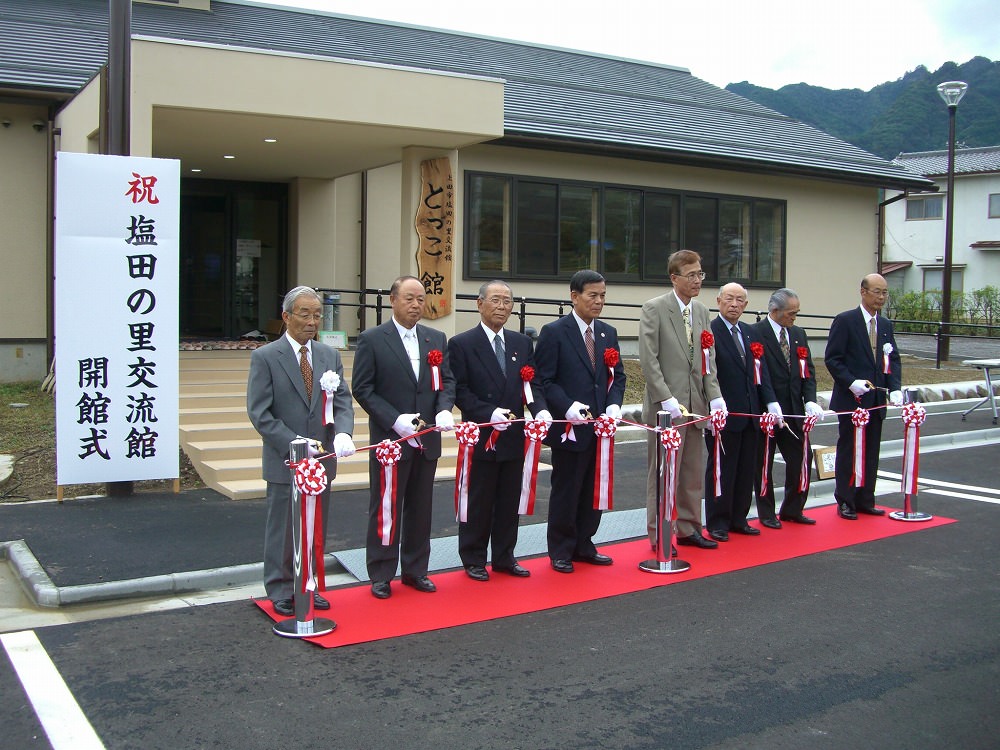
<point>664,561</point>
<point>909,511</point>
<point>303,625</point>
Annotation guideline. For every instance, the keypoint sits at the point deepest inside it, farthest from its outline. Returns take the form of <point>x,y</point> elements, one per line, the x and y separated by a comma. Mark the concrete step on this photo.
<point>215,431</point>
<point>223,397</point>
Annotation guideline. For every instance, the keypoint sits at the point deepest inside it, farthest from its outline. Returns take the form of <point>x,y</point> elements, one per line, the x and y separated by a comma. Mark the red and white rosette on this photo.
<point>535,431</point>
<point>768,422</point>
<point>670,439</point>
<point>311,482</point>
<point>611,360</point>
<point>707,341</point>
<point>467,434</point>
<point>913,416</point>
<point>757,350</point>
<point>718,421</point>
<point>604,476</point>
<point>329,382</point>
<point>860,418</point>
<point>527,375</point>
<point>434,359</point>
<point>803,354</point>
<point>807,426</point>
<point>886,351</point>
<point>388,454</point>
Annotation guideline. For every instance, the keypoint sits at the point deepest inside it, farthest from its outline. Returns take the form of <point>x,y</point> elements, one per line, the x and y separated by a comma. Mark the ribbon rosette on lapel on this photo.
<point>467,434</point>
<point>535,431</point>
<point>330,382</point>
<point>913,416</point>
<point>434,359</point>
<point>604,476</point>
<point>886,351</point>
<point>860,418</point>
<point>803,354</point>
<point>707,341</point>
<point>388,454</point>
<point>807,425</point>
<point>757,350</point>
<point>670,439</point>
<point>718,422</point>
<point>527,375</point>
<point>611,360</point>
<point>311,482</point>
<point>768,422</point>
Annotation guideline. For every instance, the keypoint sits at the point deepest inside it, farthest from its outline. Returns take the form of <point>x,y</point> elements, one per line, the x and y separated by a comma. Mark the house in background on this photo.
<point>913,245</point>
<point>301,136</point>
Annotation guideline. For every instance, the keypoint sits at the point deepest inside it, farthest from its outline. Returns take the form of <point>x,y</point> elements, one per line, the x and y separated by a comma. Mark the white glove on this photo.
<point>343,446</point>
<point>614,411</point>
<point>896,398</point>
<point>544,416</point>
<point>860,387</point>
<point>575,413</point>
<point>500,416</point>
<point>775,408</point>
<point>404,425</point>
<point>718,404</point>
<point>673,407</point>
<point>444,421</point>
<point>815,410</point>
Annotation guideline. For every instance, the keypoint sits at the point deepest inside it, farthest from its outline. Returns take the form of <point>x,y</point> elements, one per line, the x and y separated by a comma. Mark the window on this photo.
<point>934,278</point>
<point>532,228</point>
<point>925,207</point>
<point>995,205</point>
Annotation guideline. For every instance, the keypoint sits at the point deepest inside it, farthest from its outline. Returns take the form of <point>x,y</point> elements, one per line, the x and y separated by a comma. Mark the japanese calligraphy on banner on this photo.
<point>435,222</point>
<point>116,313</point>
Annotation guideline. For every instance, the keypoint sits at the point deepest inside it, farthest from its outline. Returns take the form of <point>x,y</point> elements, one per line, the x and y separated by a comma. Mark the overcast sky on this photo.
<point>841,44</point>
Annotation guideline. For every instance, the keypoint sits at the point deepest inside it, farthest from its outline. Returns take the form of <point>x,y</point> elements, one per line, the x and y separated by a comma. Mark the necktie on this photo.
<point>690,333</point>
<point>783,340</point>
<point>498,349</point>
<point>588,339</point>
<point>413,350</point>
<point>739,343</point>
<point>307,370</point>
<point>871,336</point>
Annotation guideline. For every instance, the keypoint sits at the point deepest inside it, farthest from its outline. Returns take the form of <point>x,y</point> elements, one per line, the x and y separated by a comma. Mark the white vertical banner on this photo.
<point>116,318</point>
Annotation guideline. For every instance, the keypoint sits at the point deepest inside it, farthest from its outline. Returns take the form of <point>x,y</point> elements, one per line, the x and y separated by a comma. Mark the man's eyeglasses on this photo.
<point>878,292</point>
<point>500,301</point>
<point>308,316</point>
<point>693,276</point>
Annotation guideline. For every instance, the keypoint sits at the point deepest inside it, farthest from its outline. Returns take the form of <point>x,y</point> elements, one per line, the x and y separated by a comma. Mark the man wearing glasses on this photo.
<point>862,357</point>
<point>670,352</point>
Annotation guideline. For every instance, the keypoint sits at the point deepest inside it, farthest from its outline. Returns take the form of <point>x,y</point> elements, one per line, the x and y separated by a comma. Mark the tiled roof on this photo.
<point>967,161</point>
<point>555,98</point>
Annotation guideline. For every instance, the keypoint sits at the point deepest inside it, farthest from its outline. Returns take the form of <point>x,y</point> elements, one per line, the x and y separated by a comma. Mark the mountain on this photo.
<point>902,115</point>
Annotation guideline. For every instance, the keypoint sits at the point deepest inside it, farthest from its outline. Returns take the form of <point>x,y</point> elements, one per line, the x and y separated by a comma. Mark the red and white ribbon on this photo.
<point>670,439</point>
<point>804,470</point>
<point>527,375</point>
<point>860,417</point>
<point>768,422</point>
<point>718,420</point>
<point>757,350</point>
<point>388,454</point>
<point>329,382</point>
<point>886,351</point>
<point>535,431</point>
<point>611,359</point>
<point>311,482</point>
<point>803,353</point>
<point>913,416</point>
<point>707,340</point>
<point>434,359</point>
<point>467,434</point>
<point>604,476</point>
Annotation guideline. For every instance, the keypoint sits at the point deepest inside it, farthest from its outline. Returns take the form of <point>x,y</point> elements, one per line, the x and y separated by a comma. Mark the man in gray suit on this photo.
<point>670,329</point>
<point>285,402</point>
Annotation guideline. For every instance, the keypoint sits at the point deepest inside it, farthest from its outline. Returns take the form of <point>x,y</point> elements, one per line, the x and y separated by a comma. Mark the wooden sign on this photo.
<point>435,222</point>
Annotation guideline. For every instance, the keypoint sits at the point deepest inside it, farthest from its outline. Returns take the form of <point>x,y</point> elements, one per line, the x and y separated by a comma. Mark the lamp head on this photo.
<point>952,92</point>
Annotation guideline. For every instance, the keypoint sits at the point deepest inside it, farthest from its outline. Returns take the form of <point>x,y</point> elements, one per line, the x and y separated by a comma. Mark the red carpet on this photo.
<point>460,600</point>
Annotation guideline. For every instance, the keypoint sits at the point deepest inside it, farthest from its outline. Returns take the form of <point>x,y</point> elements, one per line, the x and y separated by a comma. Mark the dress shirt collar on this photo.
<point>490,335</point>
<point>296,346</point>
<point>680,304</point>
<point>581,325</point>
<point>868,316</point>
<point>776,327</point>
<point>403,331</point>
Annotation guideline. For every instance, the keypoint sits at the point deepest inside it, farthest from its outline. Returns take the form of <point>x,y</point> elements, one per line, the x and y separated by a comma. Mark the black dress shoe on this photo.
<point>319,602</point>
<point>800,519</point>
<point>596,559</point>
<point>871,511</point>
<point>746,529</point>
<point>697,540</point>
<point>284,607</point>
<point>771,523</point>
<point>381,590</point>
<point>562,566</point>
<point>719,536</point>
<point>477,573</point>
<point>420,583</point>
<point>845,512</point>
<point>512,570</point>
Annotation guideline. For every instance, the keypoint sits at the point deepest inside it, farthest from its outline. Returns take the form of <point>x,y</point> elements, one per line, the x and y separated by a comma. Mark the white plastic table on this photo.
<point>985,365</point>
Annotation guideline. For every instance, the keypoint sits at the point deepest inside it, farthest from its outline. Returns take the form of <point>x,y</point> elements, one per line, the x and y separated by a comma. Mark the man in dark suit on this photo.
<point>487,362</point>
<point>577,381</point>
<point>783,340</point>
<point>394,383</point>
<point>860,342</point>
<point>727,511</point>
<point>284,402</point>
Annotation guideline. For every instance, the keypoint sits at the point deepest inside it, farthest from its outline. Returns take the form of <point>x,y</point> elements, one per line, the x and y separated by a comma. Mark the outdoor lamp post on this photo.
<point>952,93</point>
